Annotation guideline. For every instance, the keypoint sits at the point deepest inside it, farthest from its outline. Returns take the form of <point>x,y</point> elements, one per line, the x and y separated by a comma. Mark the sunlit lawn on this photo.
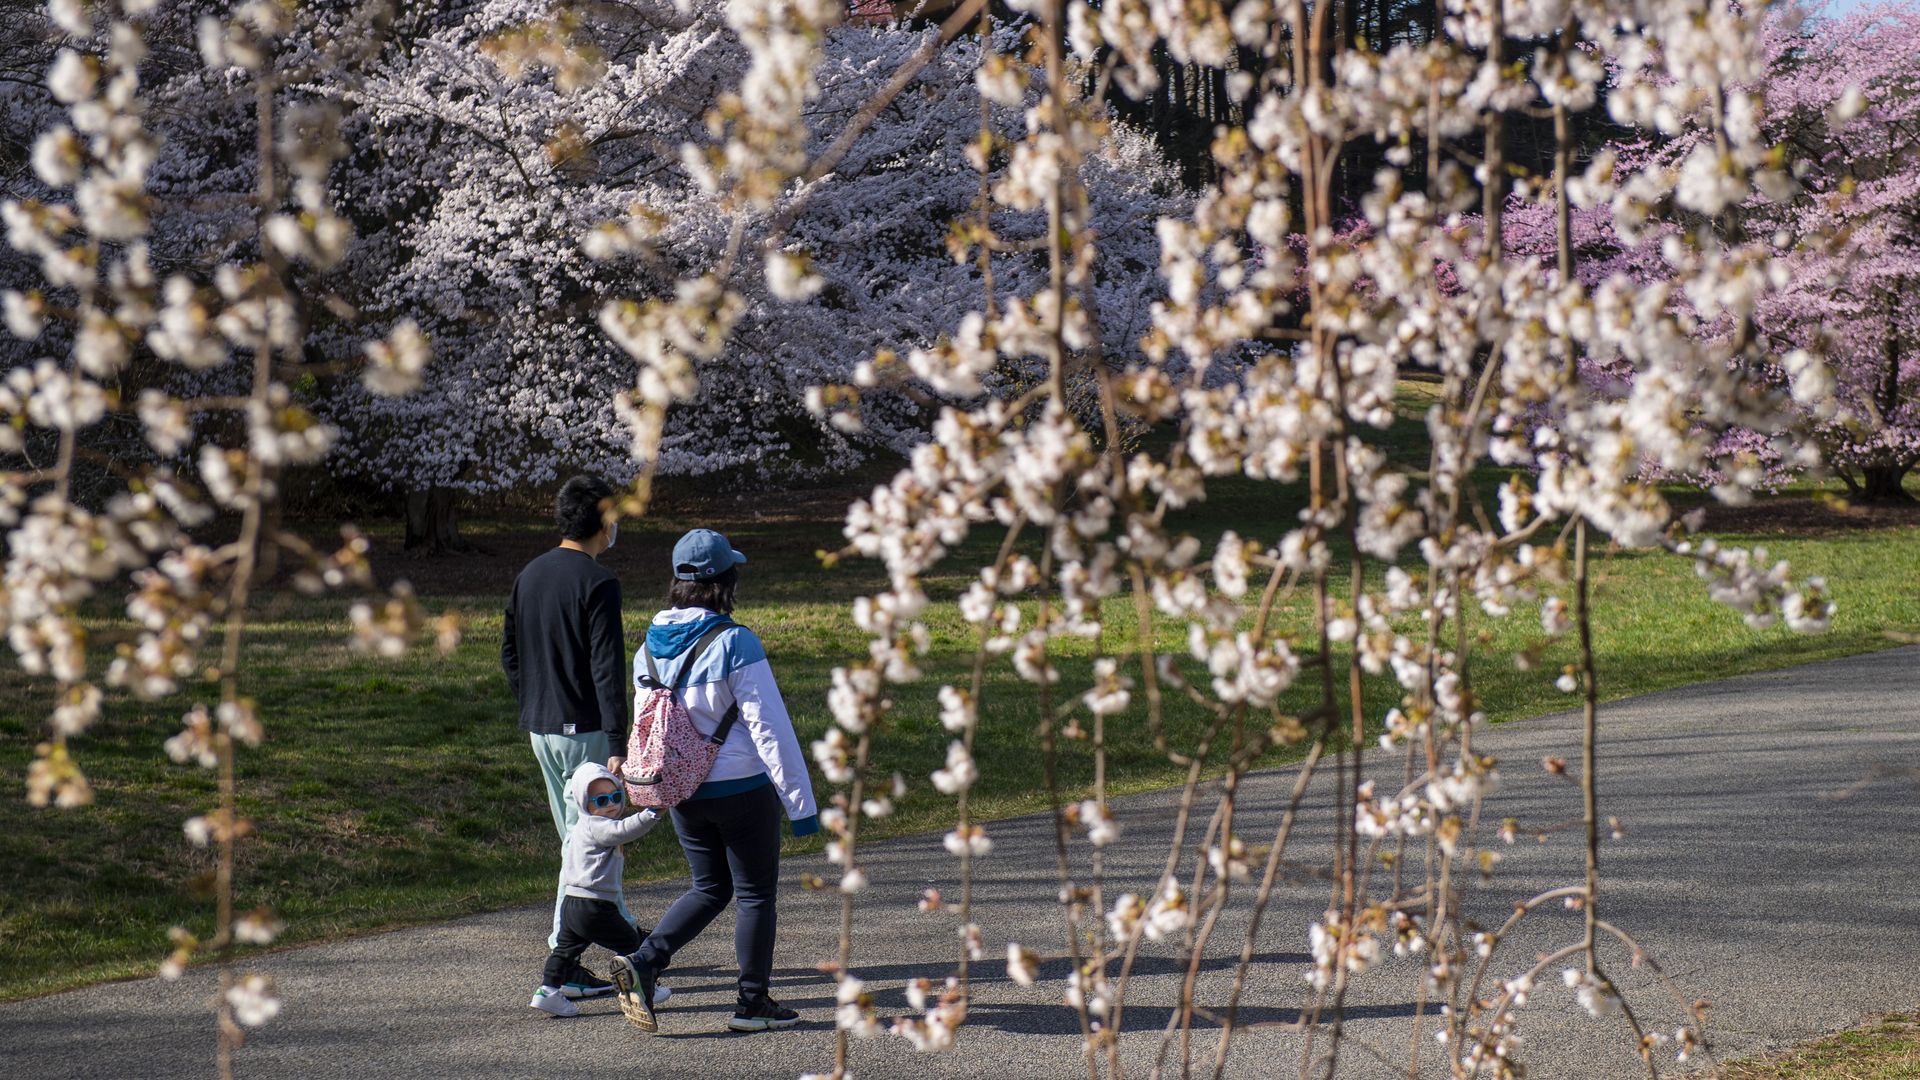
<point>400,792</point>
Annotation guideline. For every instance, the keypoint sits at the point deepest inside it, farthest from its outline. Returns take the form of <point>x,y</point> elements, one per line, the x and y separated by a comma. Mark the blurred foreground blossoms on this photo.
<point>202,360</point>
<point>1271,350</point>
<point>1274,354</point>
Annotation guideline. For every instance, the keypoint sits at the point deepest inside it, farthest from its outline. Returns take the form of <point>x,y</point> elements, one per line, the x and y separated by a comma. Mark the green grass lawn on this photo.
<point>1886,1048</point>
<point>394,792</point>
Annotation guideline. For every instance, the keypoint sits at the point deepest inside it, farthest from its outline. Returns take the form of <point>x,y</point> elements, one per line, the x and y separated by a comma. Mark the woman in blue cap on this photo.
<point>730,826</point>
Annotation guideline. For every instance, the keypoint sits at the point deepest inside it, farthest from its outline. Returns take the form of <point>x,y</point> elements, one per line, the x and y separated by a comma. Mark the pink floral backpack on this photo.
<point>667,757</point>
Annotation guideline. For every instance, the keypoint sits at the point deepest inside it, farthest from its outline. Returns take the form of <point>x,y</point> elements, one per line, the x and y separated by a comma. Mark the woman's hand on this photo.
<point>614,764</point>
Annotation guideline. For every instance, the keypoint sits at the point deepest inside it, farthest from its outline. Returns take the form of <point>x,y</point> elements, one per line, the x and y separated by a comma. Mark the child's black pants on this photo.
<point>585,922</point>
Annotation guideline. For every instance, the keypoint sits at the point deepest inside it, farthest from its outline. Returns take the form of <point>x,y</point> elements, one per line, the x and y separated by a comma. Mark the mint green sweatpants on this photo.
<point>558,756</point>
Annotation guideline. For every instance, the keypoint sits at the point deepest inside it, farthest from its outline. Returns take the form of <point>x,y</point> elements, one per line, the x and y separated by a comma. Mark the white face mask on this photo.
<point>613,534</point>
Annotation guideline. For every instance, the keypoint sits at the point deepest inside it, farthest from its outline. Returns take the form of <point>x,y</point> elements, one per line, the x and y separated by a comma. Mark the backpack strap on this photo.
<point>720,733</point>
<point>693,655</point>
<point>686,667</point>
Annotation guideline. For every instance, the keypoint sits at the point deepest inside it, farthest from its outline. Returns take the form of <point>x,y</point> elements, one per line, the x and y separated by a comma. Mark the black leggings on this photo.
<point>732,845</point>
<point>585,922</point>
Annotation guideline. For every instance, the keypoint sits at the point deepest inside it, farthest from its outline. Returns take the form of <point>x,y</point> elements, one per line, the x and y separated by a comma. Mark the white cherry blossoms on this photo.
<point>1340,950</point>
<point>136,531</point>
<point>1590,391</point>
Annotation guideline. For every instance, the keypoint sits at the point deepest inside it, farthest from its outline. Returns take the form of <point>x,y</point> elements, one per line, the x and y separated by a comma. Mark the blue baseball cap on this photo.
<point>702,554</point>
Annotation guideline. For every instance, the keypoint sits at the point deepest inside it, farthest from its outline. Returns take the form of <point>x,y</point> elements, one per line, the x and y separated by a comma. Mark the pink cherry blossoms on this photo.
<point>1834,244</point>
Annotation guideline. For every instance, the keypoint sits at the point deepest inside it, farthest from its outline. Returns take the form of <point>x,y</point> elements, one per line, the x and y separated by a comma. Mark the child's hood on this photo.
<point>583,777</point>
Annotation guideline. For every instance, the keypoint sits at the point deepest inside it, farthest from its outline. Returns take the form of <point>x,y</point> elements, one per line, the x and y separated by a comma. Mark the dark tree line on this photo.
<point>1192,101</point>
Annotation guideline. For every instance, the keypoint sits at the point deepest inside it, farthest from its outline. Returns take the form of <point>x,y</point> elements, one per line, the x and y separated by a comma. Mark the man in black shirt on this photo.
<point>565,657</point>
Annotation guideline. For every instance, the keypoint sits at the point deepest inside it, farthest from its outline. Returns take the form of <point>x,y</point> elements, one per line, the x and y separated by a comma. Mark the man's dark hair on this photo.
<point>580,509</point>
<point>714,593</point>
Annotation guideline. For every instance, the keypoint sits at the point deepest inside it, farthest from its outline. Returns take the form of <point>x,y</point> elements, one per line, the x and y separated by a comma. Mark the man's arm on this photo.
<point>609,662</point>
<point>510,647</point>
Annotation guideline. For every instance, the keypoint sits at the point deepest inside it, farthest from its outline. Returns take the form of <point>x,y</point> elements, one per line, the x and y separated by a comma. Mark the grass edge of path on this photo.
<point>1884,1046</point>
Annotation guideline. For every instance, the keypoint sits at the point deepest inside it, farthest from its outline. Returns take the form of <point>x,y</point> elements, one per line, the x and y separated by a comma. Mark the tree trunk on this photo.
<point>1884,484</point>
<point>432,528</point>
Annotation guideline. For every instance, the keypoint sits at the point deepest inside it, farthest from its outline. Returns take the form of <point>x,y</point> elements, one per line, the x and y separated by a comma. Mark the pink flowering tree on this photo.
<point>1829,294</point>
<point>1844,97</point>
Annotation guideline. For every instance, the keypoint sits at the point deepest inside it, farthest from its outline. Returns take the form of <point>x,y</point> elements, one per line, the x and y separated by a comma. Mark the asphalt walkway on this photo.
<point>1770,860</point>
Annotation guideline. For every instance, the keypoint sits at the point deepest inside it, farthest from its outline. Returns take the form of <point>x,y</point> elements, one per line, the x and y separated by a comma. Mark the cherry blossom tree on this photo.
<point>1841,97</point>
<point>483,147</point>
<point>1430,282</point>
<point>490,149</point>
<point>1844,96</point>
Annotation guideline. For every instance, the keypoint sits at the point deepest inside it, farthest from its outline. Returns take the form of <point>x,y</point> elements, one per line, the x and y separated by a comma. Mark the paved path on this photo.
<point>1771,860</point>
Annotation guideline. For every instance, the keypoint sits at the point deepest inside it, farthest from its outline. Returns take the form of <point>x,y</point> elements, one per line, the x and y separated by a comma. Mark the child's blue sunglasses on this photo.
<point>611,798</point>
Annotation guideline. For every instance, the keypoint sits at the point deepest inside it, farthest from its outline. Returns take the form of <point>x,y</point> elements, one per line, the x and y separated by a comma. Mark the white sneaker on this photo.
<point>549,1000</point>
<point>661,994</point>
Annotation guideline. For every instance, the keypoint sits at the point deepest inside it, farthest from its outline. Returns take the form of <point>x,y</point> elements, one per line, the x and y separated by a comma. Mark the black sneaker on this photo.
<point>635,987</point>
<point>763,1015</point>
<point>585,984</point>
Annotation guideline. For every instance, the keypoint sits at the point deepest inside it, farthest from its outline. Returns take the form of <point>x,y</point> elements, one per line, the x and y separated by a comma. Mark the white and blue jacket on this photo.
<point>762,747</point>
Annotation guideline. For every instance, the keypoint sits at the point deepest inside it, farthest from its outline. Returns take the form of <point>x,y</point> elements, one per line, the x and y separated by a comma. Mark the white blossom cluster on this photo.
<point>189,339</point>
<point>1337,947</point>
<point>1275,353</point>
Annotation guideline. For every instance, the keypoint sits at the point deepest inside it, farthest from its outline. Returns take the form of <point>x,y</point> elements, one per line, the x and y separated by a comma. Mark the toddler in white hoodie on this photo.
<point>591,865</point>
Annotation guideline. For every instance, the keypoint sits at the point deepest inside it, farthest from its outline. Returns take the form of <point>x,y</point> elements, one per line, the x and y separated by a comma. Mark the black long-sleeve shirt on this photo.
<point>563,649</point>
